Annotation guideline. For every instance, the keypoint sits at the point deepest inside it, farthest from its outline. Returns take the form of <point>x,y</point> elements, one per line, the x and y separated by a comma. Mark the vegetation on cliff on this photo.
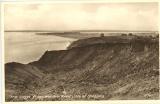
<point>113,67</point>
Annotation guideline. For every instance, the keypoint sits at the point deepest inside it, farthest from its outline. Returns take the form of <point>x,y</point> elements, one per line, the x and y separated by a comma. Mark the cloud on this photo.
<point>61,16</point>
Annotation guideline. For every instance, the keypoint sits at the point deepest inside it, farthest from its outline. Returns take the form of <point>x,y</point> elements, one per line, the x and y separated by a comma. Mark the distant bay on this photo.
<point>25,47</point>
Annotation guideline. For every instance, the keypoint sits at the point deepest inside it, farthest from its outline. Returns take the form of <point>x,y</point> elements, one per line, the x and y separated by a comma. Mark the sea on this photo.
<point>25,47</point>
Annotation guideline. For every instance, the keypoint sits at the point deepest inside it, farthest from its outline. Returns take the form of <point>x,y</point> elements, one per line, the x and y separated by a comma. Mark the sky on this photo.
<point>81,16</point>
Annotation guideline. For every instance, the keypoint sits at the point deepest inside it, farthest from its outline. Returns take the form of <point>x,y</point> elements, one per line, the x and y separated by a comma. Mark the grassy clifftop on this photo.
<point>113,67</point>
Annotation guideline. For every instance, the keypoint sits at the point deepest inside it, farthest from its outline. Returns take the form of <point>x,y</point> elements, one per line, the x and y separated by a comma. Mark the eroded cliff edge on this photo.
<point>116,67</point>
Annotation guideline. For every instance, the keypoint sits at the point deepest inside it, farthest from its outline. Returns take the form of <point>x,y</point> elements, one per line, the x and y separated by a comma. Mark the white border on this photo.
<point>2,51</point>
<point>73,1</point>
<point>63,102</point>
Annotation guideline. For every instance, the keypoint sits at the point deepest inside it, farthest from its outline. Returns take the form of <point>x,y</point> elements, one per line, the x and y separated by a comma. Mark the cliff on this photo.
<point>116,67</point>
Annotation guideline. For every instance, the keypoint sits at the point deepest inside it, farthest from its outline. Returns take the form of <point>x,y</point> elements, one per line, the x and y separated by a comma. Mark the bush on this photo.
<point>102,35</point>
<point>130,34</point>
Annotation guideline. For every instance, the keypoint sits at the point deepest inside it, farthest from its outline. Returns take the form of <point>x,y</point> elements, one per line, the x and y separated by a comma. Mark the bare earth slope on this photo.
<point>103,68</point>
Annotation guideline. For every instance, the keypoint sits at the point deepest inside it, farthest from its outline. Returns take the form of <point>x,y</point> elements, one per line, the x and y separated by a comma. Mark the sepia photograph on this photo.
<point>81,51</point>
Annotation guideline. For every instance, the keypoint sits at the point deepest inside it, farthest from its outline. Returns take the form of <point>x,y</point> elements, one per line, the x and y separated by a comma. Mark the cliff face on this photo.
<point>115,67</point>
